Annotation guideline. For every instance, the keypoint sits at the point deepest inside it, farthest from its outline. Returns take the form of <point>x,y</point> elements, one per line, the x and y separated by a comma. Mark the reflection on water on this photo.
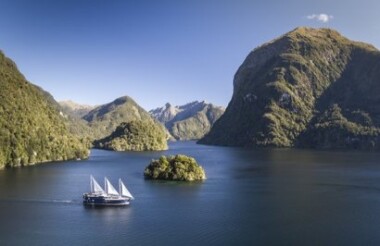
<point>108,215</point>
<point>250,197</point>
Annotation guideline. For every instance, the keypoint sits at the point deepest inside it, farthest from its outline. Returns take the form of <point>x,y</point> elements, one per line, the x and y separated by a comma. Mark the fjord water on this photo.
<point>251,197</point>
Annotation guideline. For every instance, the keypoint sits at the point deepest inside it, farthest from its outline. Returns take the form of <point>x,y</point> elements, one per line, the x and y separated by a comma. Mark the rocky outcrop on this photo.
<point>165,114</point>
<point>190,121</point>
<point>71,108</point>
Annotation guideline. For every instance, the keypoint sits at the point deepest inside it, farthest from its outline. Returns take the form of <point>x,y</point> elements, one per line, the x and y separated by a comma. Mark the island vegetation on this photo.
<point>137,135</point>
<point>104,119</point>
<point>176,168</point>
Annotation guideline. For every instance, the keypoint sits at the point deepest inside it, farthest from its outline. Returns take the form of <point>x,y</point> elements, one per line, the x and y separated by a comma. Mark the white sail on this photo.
<point>109,188</point>
<point>124,191</point>
<point>95,187</point>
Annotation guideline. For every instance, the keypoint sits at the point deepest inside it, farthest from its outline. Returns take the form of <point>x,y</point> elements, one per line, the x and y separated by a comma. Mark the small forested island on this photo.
<point>176,168</point>
<point>135,135</point>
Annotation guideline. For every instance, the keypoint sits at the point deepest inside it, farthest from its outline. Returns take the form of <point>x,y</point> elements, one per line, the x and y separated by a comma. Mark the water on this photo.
<point>251,197</point>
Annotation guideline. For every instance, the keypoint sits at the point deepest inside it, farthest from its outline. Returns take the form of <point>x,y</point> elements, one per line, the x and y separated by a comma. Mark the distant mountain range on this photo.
<point>186,122</point>
<point>75,109</point>
<point>308,88</point>
<point>190,121</point>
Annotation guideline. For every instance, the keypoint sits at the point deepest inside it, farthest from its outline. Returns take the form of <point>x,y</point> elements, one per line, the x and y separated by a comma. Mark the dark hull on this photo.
<point>101,200</point>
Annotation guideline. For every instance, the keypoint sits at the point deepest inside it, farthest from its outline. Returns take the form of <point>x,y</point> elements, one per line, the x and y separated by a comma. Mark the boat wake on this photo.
<point>59,201</point>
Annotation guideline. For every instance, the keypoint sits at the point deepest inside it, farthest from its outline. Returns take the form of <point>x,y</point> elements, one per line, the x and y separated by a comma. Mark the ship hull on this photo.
<point>104,200</point>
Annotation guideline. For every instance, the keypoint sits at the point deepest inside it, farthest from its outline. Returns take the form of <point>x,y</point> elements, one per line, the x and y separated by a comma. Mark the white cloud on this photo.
<point>320,17</point>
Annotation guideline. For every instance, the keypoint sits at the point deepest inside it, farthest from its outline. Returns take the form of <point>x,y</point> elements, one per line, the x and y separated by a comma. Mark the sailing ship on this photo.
<point>108,196</point>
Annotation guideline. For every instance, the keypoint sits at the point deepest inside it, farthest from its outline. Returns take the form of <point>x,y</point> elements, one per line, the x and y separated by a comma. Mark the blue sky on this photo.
<point>93,51</point>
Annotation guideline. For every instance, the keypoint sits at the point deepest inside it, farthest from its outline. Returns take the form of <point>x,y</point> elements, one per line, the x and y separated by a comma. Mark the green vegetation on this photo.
<point>197,125</point>
<point>285,90</point>
<point>75,124</point>
<point>179,168</point>
<point>94,124</point>
<point>104,119</point>
<point>135,135</point>
<point>32,130</point>
<point>332,130</point>
<point>80,128</point>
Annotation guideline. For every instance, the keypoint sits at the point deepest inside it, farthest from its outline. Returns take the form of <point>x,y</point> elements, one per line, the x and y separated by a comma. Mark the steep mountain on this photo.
<point>32,129</point>
<point>104,119</point>
<point>78,127</point>
<point>189,121</point>
<point>74,112</point>
<point>136,135</point>
<point>75,109</point>
<point>165,114</point>
<point>307,88</point>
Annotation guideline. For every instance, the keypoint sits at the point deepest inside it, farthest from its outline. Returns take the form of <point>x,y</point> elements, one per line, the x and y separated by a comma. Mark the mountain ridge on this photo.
<point>75,109</point>
<point>189,121</point>
<point>32,129</point>
<point>285,85</point>
<point>105,118</point>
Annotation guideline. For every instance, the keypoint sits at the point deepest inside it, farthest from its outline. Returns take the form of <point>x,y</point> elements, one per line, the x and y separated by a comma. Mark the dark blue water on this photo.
<point>251,197</point>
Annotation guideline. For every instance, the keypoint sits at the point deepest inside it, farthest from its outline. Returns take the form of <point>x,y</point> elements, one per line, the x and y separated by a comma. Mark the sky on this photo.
<point>94,51</point>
